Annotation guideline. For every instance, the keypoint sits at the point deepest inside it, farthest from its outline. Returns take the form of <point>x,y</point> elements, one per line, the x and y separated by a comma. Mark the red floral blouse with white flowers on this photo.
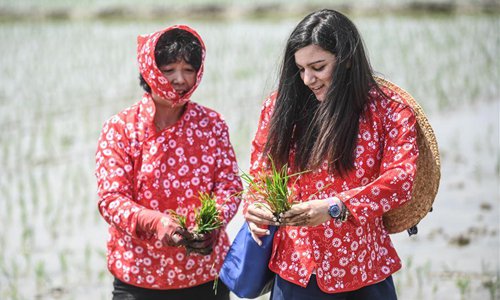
<point>359,252</point>
<point>138,167</point>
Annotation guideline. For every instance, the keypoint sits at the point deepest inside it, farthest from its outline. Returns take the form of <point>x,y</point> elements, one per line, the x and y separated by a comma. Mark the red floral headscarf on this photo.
<point>151,73</point>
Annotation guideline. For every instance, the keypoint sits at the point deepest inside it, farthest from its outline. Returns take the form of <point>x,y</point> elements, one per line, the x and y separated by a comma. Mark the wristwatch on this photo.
<point>334,210</point>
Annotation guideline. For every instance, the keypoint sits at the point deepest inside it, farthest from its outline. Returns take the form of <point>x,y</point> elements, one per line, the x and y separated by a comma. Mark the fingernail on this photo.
<point>268,232</point>
<point>260,243</point>
<point>274,219</point>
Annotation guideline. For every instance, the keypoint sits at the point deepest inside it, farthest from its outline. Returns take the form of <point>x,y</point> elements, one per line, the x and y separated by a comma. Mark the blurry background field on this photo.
<point>65,68</point>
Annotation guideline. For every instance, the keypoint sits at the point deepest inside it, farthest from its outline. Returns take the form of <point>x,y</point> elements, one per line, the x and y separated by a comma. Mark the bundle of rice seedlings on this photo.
<point>271,188</point>
<point>206,216</point>
<point>179,218</point>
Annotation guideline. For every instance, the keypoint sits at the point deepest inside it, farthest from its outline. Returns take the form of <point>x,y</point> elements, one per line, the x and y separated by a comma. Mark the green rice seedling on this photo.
<point>435,288</point>
<point>48,134</point>
<point>179,218</point>
<point>2,247</point>
<point>27,239</point>
<point>490,281</point>
<point>22,203</point>
<point>216,281</point>
<point>397,283</point>
<point>47,189</point>
<point>423,272</point>
<point>493,285</point>
<point>6,194</point>
<point>271,188</point>
<point>3,266</point>
<point>15,270</point>
<point>63,261</point>
<point>5,153</point>
<point>207,216</point>
<point>463,284</point>
<point>420,281</point>
<point>102,275</point>
<point>409,263</point>
<point>8,211</point>
<point>88,261</point>
<point>54,224</point>
<point>12,278</point>
<point>31,144</point>
<point>14,293</point>
<point>40,274</point>
<point>101,254</point>
<point>33,190</point>
<point>66,141</point>
<point>81,183</point>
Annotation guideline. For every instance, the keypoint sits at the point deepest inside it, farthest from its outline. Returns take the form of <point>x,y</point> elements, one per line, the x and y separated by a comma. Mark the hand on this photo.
<point>259,216</point>
<point>310,213</point>
<point>257,231</point>
<point>203,243</point>
<point>167,230</point>
<point>172,234</point>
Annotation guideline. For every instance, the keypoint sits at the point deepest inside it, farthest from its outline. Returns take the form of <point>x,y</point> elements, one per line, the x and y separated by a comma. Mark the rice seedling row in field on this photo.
<point>81,73</point>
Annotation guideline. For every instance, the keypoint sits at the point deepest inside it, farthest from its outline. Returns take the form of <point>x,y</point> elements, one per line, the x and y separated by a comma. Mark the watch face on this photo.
<point>334,211</point>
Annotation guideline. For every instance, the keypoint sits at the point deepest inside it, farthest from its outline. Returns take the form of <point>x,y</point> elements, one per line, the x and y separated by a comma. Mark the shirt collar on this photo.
<point>147,110</point>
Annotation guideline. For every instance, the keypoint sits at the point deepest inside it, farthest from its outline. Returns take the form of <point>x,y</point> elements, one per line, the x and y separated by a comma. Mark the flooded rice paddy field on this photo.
<point>61,80</point>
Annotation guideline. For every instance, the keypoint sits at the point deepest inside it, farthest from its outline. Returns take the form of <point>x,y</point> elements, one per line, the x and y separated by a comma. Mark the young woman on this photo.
<point>329,117</point>
<point>156,156</point>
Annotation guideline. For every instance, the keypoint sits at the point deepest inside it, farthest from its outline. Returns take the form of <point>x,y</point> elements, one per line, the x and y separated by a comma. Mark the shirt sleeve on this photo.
<point>258,161</point>
<point>227,187</point>
<point>115,179</point>
<point>394,185</point>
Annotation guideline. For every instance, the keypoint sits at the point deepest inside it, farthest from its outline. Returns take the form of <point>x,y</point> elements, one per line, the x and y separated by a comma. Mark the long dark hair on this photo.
<point>326,129</point>
<point>172,46</point>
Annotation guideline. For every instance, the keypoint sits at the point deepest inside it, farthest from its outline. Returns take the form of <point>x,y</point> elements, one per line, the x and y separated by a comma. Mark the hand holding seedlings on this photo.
<point>205,233</point>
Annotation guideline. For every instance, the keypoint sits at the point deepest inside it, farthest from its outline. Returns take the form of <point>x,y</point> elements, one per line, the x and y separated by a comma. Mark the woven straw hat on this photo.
<point>428,172</point>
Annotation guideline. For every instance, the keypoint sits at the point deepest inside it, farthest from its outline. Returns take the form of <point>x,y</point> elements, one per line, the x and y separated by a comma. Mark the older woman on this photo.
<point>157,156</point>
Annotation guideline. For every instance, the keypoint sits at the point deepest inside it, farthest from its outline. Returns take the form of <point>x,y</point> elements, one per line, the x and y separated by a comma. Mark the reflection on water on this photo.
<point>61,80</point>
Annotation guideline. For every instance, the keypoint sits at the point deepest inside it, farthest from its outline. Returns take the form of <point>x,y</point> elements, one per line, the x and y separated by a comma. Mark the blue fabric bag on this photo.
<point>245,271</point>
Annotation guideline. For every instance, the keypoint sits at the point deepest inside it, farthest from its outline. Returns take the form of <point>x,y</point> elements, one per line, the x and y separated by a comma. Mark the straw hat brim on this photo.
<point>428,172</point>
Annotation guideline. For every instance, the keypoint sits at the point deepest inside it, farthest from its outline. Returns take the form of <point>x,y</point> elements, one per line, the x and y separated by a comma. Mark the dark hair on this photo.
<point>172,46</point>
<point>326,129</point>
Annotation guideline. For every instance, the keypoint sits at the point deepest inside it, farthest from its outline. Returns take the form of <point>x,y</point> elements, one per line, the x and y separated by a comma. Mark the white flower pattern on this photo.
<point>344,255</point>
<point>137,168</point>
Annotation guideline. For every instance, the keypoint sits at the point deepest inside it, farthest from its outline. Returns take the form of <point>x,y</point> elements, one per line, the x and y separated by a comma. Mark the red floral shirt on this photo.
<point>140,168</point>
<point>359,252</point>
